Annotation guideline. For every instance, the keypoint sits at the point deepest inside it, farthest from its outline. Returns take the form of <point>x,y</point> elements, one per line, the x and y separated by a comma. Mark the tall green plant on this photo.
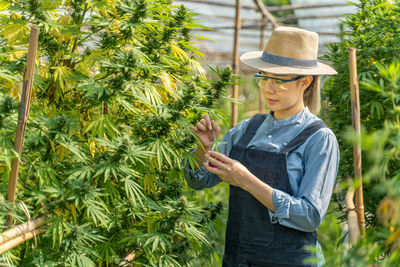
<point>118,84</point>
<point>374,31</point>
<point>381,148</point>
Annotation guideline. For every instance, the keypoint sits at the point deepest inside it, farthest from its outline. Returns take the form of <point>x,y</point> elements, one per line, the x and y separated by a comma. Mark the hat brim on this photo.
<point>253,60</point>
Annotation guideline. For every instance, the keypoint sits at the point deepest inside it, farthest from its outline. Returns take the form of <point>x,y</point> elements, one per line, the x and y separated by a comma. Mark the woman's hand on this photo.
<point>234,173</point>
<point>229,170</point>
<point>203,130</point>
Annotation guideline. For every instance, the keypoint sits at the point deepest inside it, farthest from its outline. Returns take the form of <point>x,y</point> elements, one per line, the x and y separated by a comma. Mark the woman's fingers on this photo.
<point>194,129</point>
<point>220,156</point>
<point>205,126</point>
<point>216,161</point>
<point>215,170</point>
<point>216,128</point>
<point>208,121</point>
<point>201,126</point>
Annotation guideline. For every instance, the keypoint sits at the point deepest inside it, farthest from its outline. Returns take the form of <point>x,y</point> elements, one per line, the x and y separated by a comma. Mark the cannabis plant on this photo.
<point>374,31</point>
<point>381,147</point>
<point>118,83</point>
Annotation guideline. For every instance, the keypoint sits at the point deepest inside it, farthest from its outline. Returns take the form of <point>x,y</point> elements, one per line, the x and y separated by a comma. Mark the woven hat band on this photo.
<point>288,61</point>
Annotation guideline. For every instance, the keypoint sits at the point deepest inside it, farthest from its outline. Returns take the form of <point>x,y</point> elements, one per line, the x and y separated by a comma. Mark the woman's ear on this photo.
<point>306,81</point>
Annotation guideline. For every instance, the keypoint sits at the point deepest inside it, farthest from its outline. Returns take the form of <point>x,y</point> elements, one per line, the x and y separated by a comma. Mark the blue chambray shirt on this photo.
<point>312,169</point>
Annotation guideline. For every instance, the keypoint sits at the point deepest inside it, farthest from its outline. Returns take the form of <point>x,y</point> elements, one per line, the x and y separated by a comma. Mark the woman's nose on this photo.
<point>269,88</point>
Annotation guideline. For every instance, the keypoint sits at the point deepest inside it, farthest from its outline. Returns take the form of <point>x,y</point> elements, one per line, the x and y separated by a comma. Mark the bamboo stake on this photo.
<point>262,33</point>
<point>261,102</point>
<point>23,114</point>
<point>354,230</point>
<point>270,8</point>
<point>258,26</point>
<point>355,110</point>
<point>21,229</point>
<point>235,89</point>
<point>266,13</point>
<point>305,6</point>
<point>230,27</point>
<point>19,239</point>
<point>211,3</point>
<point>293,18</point>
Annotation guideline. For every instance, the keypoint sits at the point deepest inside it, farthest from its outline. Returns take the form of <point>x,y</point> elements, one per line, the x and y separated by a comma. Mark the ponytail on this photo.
<point>311,96</point>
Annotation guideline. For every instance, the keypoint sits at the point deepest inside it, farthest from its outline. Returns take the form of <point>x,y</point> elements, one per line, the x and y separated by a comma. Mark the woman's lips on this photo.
<point>271,101</point>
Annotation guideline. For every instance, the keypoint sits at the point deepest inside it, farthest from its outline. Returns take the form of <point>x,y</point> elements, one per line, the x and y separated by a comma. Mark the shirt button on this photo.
<point>269,136</point>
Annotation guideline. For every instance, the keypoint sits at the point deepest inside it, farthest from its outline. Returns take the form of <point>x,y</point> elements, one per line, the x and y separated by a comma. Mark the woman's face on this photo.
<point>284,98</point>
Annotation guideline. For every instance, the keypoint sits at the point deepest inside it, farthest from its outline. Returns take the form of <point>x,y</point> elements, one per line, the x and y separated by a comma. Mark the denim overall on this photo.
<point>251,238</point>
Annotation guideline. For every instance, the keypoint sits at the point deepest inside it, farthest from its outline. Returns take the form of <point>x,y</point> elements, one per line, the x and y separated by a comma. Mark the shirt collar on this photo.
<point>297,118</point>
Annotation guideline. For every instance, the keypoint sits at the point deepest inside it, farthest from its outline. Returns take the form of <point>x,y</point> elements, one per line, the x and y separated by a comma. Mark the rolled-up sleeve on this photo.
<point>305,210</point>
<point>200,178</point>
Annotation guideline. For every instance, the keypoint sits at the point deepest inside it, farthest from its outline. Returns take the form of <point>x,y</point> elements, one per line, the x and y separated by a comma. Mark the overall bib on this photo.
<point>251,238</point>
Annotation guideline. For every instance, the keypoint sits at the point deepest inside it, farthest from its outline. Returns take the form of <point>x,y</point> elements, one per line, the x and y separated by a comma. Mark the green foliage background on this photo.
<point>117,85</point>
<point>381,148</point>
<point>276,2</point>
<point>374,31</point>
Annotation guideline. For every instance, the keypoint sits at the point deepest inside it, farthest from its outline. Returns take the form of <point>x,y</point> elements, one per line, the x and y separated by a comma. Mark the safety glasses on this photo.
<point>264,78</point>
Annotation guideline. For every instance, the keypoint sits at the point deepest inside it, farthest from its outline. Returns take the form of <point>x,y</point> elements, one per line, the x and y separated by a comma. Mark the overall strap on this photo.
<point>251,130</point>
<point>300,138</point>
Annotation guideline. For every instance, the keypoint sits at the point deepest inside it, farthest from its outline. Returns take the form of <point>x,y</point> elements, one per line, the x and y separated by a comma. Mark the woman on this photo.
<point>281,166</point>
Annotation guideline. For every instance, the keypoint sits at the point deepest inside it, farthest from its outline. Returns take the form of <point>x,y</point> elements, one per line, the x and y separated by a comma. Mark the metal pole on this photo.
<point>235,89</point>
<point>355,111</point>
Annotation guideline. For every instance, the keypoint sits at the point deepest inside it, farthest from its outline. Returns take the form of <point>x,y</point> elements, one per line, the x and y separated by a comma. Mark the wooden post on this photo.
<point>235,91</point>
<point>23,114</point>
<point>266,13</point>
<point>21,229</point>
<point>353,227</point>
<point>261,102</point>
<point>355,111</point>
<point>271,8</point>
<point>262,33</point>
<point>19,239</point>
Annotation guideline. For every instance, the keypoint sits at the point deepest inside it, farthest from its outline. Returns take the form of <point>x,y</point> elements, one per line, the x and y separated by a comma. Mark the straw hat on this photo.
<point>289,51</point>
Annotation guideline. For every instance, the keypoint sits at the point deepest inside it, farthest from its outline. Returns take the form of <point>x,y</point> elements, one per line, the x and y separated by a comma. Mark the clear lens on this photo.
<point>262,82</point>
<point>265,79</point>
